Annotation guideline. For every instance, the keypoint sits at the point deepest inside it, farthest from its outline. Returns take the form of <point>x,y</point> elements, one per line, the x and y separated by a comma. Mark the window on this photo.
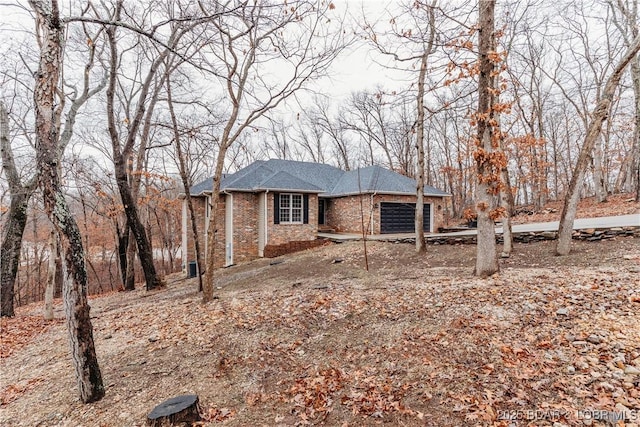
<point>291,208</point>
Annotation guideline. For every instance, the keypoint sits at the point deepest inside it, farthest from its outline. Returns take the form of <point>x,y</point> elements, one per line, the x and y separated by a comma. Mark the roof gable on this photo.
<point>285,181</point>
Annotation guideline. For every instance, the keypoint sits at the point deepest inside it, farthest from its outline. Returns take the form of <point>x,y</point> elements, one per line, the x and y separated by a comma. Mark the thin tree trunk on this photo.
<point>47,129</point>
<point>506,201</point>
<point>145,253</point>
<point>598,173</point>
<point>123,242</point>
<point>634,172</point>
<point>186,183</point>
<point>486,257</point>
<point>207,290</point>
<point>421,244</point>
<point>51,275</point>
<point>599,115</point>
<point>130,271</point>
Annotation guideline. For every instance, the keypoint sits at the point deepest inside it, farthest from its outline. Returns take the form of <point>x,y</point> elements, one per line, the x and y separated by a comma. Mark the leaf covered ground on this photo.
<point>616,204</point>
<point>416,340</point>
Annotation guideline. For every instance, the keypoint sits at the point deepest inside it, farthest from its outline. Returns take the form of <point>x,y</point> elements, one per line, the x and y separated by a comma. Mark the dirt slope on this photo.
<point>415,341</point>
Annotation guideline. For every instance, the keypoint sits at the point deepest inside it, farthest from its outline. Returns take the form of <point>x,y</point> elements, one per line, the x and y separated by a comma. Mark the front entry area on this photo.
<point>400,217</point>
<point>322,209</point>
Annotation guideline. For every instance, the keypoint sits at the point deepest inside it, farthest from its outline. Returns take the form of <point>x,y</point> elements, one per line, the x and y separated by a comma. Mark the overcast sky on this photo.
<point>357,70</point>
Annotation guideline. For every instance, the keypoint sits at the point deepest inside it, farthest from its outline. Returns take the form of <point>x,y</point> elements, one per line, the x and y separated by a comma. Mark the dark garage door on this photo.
<point>400,217</point>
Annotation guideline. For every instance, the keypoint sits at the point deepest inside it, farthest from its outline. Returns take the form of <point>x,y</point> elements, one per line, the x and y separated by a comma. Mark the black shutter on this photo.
<point>276,208</point>
<point>305,209</point>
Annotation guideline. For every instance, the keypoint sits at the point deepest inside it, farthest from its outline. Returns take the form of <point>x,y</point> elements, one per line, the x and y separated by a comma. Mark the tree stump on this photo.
<point>180,409</point>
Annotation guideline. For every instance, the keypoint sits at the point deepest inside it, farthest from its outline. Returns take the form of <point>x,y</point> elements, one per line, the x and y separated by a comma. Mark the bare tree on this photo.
<point>488,134</point>
<point>422,40</point>
<point>297,34</point>
<point>52,275</point>
<point>185,176</point>
<point>138,126</point>
<point>47,114</point>
<point>424,59</point>
<point>14,229</point>
<point>598,116</point>
<point>21,193</point>
<point>308,134</point>
<point>330,127</point>
<point>530,98</point>
<point>625,17</point>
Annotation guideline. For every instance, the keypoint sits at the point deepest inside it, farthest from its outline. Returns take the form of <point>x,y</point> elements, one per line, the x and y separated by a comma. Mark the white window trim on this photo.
<point>291,209</point>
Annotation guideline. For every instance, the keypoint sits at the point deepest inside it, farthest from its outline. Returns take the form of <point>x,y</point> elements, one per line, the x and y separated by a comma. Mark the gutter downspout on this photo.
<point>230,231</point>
<point>266,219</point>
<point>372,208</point>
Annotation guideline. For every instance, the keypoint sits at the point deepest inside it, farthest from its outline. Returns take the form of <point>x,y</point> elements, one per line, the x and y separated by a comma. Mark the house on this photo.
<point>277,206</point>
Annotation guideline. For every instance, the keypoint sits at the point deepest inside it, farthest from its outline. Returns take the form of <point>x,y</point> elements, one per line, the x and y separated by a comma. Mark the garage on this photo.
<point>400,217</point>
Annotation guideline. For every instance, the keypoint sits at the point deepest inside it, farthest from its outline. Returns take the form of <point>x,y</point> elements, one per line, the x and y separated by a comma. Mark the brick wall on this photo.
<point>344,214</point>
<point>199,204</point>
<point>278,234</point>
<point>245,226</point>
<point>220,250</point>
<point>202,222</point>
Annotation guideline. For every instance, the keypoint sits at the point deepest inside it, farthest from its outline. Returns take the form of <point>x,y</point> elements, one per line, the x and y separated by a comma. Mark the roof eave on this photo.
<point>290,190</point>
<point>391,193</point>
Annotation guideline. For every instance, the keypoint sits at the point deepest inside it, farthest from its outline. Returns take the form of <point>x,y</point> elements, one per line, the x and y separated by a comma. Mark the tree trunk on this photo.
<point>179,410</point>
<point>598,173</point>
<point>11,250</point>
<point>145,253</point>
<point>486,256</point>
<point>130,256</point>
<point>17,220</point>
<point>634,172</point>
<point>421,244</point>
<point>599,115</point>
<point>207,290</point>
<point>506,196</point>
<point>123,243</point>
<point>506,201</point>
<point>186,183</point>
<point>54,254</point>
<point>47,130</point>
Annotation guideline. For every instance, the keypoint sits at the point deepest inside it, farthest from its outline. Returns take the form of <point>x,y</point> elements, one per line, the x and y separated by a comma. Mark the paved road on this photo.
<point>582,223</point>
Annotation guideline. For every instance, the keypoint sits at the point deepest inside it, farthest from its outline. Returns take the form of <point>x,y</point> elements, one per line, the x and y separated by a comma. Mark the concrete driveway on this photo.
<point>632,220</point>
<point>581,223</point>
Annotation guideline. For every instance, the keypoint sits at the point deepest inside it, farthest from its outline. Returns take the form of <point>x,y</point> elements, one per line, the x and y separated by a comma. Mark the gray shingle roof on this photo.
<point>374,179</point>
<point>326,180</point>
<point>285,181</point>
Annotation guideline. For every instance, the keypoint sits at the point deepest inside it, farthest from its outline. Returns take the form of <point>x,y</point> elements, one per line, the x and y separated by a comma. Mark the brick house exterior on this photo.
<point>344,213</point>
<point>277,206</point>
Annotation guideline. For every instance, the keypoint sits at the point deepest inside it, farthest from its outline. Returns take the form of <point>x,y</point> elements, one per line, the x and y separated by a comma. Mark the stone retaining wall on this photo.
<point>272,251</point>
<point>591,235</point>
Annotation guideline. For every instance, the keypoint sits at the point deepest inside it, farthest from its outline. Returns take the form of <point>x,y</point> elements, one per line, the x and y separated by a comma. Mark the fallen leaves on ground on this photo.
<point>14,391</point>
<point>310,342</point>
<point>16,332</point>
<point>616,204</point>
